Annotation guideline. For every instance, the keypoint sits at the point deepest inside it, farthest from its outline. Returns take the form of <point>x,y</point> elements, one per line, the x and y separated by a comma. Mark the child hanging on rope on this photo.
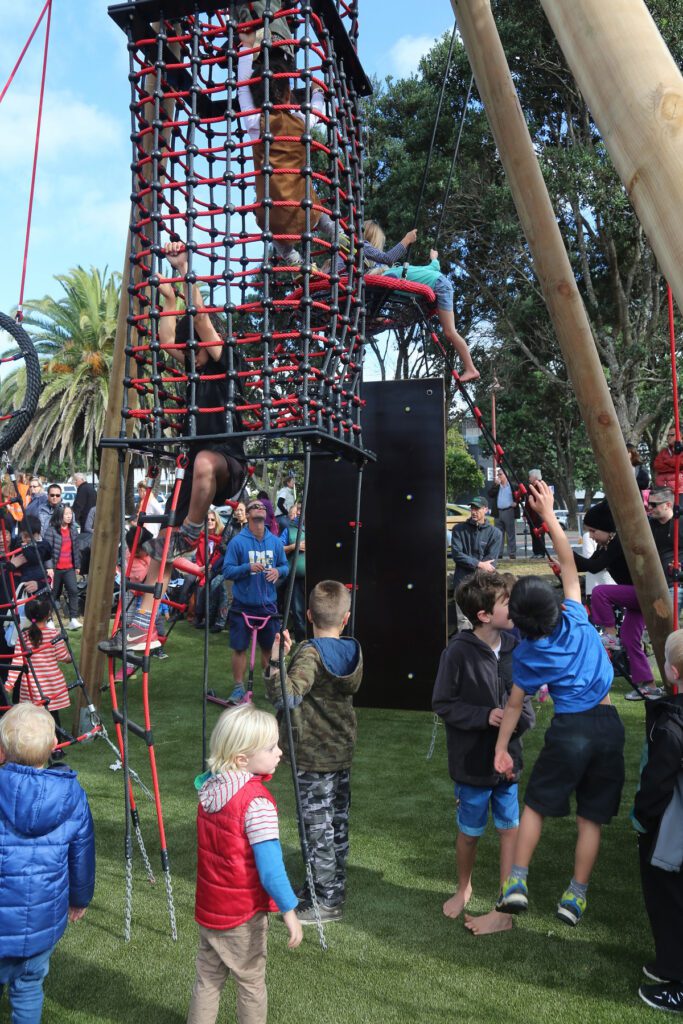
<point>443,289</point>
<point>47,856</point>
<point>241,876</point>
<point>217,468</point>
<point>287,152</point>
<point>471,690</point>
<point>43,679</point>
<point>321,680</point>
<point>583,752</point>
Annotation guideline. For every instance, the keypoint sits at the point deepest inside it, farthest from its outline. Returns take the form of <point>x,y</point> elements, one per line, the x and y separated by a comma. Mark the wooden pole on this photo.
<point>106,534</point>
<point>554,272</point>
<point>635,93</point>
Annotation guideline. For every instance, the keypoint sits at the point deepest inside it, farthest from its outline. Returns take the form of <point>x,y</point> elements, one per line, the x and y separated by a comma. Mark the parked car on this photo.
<point>68,494</point>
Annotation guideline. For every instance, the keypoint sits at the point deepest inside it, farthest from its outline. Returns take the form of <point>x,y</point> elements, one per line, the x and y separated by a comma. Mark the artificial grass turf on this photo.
<point>394,957</point>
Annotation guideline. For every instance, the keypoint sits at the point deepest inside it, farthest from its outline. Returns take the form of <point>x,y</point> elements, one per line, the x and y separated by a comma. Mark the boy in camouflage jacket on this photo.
<point>320,682</point>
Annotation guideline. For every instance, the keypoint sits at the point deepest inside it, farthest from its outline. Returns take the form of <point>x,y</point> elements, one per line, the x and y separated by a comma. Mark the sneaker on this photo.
<point>663,997</point>
<point>237,696</point>
<point>610,643</point>
<point>306,913</point>
<point>136,640</point>
<point>648,691</point>
<point>514,896</point>
<point>74,624</point>
<point>650,971</point>
<point>160,654</point>
<point>571,907</point>
<point>217,627</point>
<point>182,544</point>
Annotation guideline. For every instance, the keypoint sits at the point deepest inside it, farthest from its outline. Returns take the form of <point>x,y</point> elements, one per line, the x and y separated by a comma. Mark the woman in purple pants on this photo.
<point>609,555</point>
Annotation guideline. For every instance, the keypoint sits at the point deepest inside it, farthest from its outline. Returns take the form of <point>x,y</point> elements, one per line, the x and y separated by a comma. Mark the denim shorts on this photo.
<point>473,807</point>
<point>443,289</point>
<point>240,631</point>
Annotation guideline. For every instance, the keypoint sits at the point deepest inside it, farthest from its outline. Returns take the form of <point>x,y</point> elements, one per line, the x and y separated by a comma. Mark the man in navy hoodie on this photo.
<point>255,560</point>
<point>47,856</point>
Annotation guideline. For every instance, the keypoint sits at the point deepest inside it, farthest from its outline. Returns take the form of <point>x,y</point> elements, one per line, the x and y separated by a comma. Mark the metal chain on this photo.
<point>314,904</point>
<point>171,905</point>
<point>432,742</point>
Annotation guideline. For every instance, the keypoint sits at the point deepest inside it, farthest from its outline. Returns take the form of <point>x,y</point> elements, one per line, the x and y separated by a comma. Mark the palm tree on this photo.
<point>74,337</point>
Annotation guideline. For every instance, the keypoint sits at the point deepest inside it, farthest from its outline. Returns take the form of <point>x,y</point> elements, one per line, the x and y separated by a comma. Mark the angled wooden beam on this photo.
<point>568,314</point>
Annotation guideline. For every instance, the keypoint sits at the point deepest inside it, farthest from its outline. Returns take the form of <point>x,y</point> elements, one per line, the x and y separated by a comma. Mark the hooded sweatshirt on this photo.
<point>471,681</point>
<point>47,856</point>
<point>321,680</point>
<point>252,589</point>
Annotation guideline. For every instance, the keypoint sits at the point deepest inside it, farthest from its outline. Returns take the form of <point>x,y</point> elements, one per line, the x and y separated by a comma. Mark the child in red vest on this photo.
<point>241,876</point>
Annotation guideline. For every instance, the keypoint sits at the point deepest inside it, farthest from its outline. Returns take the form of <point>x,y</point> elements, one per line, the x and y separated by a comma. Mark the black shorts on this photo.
<point>582,754</point>
<point>237,470</point>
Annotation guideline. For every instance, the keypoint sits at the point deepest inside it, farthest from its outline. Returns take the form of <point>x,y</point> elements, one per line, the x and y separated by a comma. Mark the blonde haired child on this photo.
<point>240,873</point>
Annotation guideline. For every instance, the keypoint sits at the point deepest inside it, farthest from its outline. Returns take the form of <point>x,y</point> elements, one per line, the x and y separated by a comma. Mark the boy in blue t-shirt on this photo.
<point>583,752</point>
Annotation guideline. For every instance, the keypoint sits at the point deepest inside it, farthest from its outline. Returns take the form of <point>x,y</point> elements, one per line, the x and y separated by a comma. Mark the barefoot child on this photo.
<point>471,690</point>
<point>583,752</point>
<point>443,289</point>
<point>241,877</point>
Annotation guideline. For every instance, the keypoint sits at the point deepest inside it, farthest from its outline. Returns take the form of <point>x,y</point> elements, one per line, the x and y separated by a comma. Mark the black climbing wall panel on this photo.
<point>401,609</point>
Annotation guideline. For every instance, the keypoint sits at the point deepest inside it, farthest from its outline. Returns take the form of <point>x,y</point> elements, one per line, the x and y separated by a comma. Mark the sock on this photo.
<point>192,529</point>
<point>518,872</point>
<point>578,889</point>
<point>142,619</point>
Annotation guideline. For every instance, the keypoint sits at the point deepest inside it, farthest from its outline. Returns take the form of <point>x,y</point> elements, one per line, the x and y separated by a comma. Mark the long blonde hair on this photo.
<point>241,730</point>
<point>373,234</point>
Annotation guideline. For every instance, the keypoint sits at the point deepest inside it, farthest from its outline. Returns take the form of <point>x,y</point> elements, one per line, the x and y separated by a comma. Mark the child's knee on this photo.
<point>467,840</point>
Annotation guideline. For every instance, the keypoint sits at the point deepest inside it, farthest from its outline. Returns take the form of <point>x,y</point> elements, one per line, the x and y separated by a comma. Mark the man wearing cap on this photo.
<point>475,544</point>
<point>254,561</point>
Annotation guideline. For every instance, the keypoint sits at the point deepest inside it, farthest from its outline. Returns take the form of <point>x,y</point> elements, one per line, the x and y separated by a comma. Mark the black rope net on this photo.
<point>246,287</point>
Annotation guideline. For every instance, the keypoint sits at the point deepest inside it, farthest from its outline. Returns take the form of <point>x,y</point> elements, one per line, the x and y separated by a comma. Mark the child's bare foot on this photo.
<point>488,924</point>
<point>466,375</point>
<point>457,903</point>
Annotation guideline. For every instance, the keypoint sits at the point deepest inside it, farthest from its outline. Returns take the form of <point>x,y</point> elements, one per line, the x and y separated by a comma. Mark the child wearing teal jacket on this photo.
<point>443,289</point>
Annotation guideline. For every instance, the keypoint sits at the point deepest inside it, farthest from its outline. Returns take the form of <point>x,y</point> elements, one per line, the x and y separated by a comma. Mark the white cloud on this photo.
<point>406,52</point>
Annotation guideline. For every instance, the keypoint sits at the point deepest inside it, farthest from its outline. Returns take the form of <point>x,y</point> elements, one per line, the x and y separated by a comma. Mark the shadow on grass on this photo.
<point>104,993</point>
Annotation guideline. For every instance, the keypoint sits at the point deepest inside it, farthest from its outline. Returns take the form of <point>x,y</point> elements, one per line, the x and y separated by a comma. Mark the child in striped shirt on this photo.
<point>41,680</point>
<point>241,876</point>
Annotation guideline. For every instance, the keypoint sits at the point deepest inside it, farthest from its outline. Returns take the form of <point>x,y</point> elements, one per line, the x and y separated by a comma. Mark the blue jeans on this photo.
<point>25,979</point>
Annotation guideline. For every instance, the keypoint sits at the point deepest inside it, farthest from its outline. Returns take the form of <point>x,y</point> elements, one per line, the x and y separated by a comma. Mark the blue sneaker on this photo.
<point>237,695</point>
<point>514,896</point>
<point>571,908</point>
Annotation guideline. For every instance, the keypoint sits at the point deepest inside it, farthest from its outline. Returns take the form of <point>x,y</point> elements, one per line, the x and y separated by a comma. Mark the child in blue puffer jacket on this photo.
<point>47,856</point>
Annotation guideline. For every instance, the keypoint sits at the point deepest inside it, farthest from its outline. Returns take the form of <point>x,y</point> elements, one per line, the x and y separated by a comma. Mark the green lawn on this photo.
<point>394,958</point>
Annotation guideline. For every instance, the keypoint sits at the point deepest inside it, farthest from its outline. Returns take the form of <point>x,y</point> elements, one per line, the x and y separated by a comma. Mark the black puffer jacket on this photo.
<point>470,682</point>
<point>665,760</point>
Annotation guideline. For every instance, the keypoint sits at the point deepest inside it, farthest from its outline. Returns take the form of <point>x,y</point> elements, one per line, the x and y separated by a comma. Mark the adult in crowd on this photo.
<point>31,562</point>
<point>271,522</point>
<point>54,498</point>
<point>609,555</point>
<point>86,496</point>
<point>641,474</point>
<point>475,544</point>
<point>664,464</point>
<point>38,505</point>
<point>288,538</point>
<point>254,561</point>
<point>536,522</point>
<point>504,510</point>
<point>660,509</point>
<point>218,603</point>
<point>286,496</point>
<point>62,539</point>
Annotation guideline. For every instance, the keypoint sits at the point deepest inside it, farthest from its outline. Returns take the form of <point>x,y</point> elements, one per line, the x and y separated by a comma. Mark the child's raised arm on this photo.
<point>541,501</point>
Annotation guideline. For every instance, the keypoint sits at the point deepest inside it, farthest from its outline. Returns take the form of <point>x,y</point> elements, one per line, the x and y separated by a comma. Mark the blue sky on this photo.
<point>81,207</point>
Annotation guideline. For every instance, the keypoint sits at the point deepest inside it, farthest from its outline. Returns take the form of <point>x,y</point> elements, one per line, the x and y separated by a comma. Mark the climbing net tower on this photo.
<point>247,154</point>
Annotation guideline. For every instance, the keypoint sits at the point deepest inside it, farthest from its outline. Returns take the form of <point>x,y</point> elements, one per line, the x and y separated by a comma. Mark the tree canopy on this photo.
<point>499,305</point>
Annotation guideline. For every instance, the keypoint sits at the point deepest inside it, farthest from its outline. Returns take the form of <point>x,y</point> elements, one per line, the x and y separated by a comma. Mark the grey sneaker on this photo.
<point>646,692</point>
<point>327,913</point>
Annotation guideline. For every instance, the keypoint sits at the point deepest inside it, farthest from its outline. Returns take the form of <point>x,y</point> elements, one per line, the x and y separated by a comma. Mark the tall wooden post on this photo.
<point>634,90</point>
<point>106,535</point>
<point>566,309</point>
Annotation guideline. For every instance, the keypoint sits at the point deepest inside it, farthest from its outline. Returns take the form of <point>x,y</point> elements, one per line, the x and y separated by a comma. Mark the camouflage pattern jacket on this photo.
<point>321,680</point>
